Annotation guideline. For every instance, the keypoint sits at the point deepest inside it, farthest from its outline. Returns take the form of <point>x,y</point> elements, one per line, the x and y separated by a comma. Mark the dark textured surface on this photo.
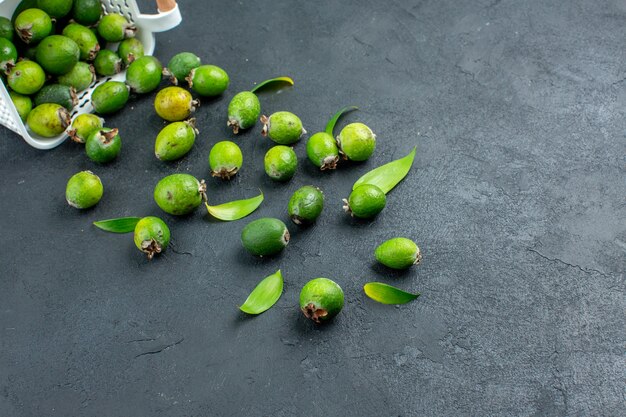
<point>516,198</point>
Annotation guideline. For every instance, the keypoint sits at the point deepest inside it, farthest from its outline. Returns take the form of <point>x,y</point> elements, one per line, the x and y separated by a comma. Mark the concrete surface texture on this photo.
<point>516,199</point>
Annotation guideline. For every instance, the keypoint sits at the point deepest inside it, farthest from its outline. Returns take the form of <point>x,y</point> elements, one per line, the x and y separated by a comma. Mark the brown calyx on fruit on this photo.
<point>312,312</point>
<point>234,124</point>
<point>202,190</point>
<point>25,33</point>
<point>191,122</point>
<point>194,105</point>
<point>418,257</point>
<point>225,173</point>
<point>346,207</point>
<point>330,162</point>
<point>189,78</point>
<point>286,237</point>
<point>73,96</point>
<point>266,125</point>
<point>65,117</point>
<point>107,137</point>
<point>93,52</point>
<point>130,31</point>
<point>74,136</point>
<point>150,248</point>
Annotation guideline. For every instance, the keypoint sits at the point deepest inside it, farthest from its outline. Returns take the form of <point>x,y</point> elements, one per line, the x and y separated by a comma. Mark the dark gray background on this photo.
<point>516,199</point>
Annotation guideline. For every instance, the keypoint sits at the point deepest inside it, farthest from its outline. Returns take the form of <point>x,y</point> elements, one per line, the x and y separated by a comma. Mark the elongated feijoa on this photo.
<point>103,145</point>
<point>181,65</point>
<point>59,94</point>
<point>130,49</point>
<point>80,77</point>
<point>23,104</point>
<point>144,74</point>
<point>225,159</point>
<point>109,97</point>
<point>280,163</point>
<point>175,104</point>
<point>152,236</point>
<point>179,194</point>
<point>48,120</point>
<point>85,39</point>
<point>365,202</point>
<point>32,25</point>
<point>83,126</point>
<point>175,140</point>
<point>84,190</point>
<point>87,12</point>
<point>398,253</point>
<point>115,28</point>
<point>321,299</point>
<point>306,205</point>
<point>282,127</point>
<point>107,63</point>
<point>26,77</point>
<point>357,142</point>
<point>265,237</point>
<point>57,54</point>
<point>208,80</point>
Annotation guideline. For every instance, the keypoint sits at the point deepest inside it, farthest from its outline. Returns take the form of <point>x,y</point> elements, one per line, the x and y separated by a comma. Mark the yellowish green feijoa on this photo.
<point>130,49</point>
<point>175,104</point>
<point>386,177</point>
<point>152,236</point>
<point>107,63</point>
<point>356,142</point>
<point>84,190</point>
<point>235,210</point>
<point>280,163</point>
<point>119,225</point>
<point>48,120</point>
<point>144,74</point>
<point>59,94</point>
<point>387,294</point>
<point>32,25</point>
<point>23,104</point>
<point>282,127</point>
<point>85,39</point>
<point>175,140</point>
<point>306,205</point>
<point>109,97</point>
<point>57,54</point>
<point>321,299</point>
<point>115,28</point>
<point>179,194</point>
<point>398,253</point>
<point>225,159</point>
<point>265,294</point>
<point>365,202</point>
<point>208,80</point>
<point>80,77</point>
<point>103,145</point>
<point>83,126</point>
<point>26,77</point>
<point>265,237</point>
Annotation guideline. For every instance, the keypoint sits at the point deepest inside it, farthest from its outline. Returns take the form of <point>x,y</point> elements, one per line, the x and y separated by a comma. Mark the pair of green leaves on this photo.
<point>387,294</point>
<point>235,210</point>
<point>386,177</point>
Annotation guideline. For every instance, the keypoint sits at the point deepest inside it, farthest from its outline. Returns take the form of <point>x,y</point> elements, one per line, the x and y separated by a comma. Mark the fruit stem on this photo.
<point>314,313</point>
<point>266,125</point>
<point>330,126</point>
<point>271,81</point>
<point>108,136</point>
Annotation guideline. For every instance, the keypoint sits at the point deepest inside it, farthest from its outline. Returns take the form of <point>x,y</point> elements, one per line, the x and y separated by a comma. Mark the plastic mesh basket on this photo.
<point>147,25</point>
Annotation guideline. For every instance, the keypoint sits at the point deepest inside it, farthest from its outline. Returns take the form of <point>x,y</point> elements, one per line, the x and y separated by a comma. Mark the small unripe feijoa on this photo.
<point>107,63</point>
<point>175,140</point>
<point>243,111</point>
<point>32,25</point>
<point>152,236</point>
<point>181,65</point>
<point>80,77</point>
<point>175,104</point>
<point>109,97</point>
<point>85,39</point>
<point>83,126</point>
<point>225,159</point>
<point>130,49</point>
<point>357,142</point>
<point>398,253</point>
<point>57,54</point>
<point>84,190</point>
<point>208,80</point>
<point>103,145</point>
<point>282,127</point>
<point>59,94</point>
<point>306,204</point>
<point>265,237</point>
<point>26,77</point>
<point>365,202</point>
<point>280,163</point>
<point>48,120</point>
<point>144,74</point>
<point>23,104</point>
<point>179,194</point>
<point>55,8</point>
<point>321,299</point>
<point>321,148</point>
<point>115,28</point>
<point>87,12</point>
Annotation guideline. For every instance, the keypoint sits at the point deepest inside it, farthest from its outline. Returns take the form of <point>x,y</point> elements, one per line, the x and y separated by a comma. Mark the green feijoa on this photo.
<point>321,148</point>
<point>144,74</point>
<point>175,140</point>
<point>282,127</point>
<point>179,194</point>
<point>80,77</point>
<point>48,120</point>
<point>57,93</point>
<point>130,49</point>
<point>181,65</point>
<point>55,8</point>
<point>83,126</point>
<point>57,54</point>
<point>265,237</point>
<point>152,236</point>
<point>8,54</point>
<point>6,28</point>
<point>103,145</point>
<point>281,163</point>
<point>85,39</point>
<point>365,201</point>
<point>84,190</point>
<point>306,205</point>
<point>23,104</point>
<point>107,63</point>
<point>243,111</point>
<point>115,28</point>
<point>175,104</point>
<point>356,142</point>
<point>208,80</point>
<point>109,97</point>
<point>321,299</point>
<point>225,159</point>
<point>87,12</point>
<point>26,77</point>
<point>32,25</point>
<point>398,253</point>
<point>21,6</point>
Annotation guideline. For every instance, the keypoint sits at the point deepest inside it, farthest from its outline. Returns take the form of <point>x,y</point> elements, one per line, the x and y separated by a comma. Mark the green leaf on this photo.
<point>386,177</point>
<point>387,294</point>
<point>330,126</point>
<point>272,81</point>
<point>264,295</point>
<point>235,210</point>
<point>121,225</point>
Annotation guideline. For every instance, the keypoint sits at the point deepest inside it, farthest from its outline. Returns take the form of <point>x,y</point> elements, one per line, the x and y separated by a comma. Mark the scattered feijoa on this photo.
<point>84,190</point>
<point>243,111</point>
<point>109,97</point>
<point>103,145</point>
<point>83,126</point>
<point>306,205</point>
<point>225,159</point>
<point>264,237</point>
<point>321,299</point>
<point>398,253</point>
<point>179,194</point>
<point>322,150</point>
<point>144,74</point>
<point>280,163</point>
<point>282,127</point>
<point>208,80</point>
<point>175,104</point>
<point>175,140</point>
<point>48,120</point>
<point>151,236</point>
<point>357,142</point>
<point>365,201</point>
<point>181,65</point>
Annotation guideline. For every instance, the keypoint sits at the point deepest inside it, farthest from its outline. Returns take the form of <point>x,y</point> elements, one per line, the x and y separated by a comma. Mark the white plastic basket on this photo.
<point>147,25</point>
